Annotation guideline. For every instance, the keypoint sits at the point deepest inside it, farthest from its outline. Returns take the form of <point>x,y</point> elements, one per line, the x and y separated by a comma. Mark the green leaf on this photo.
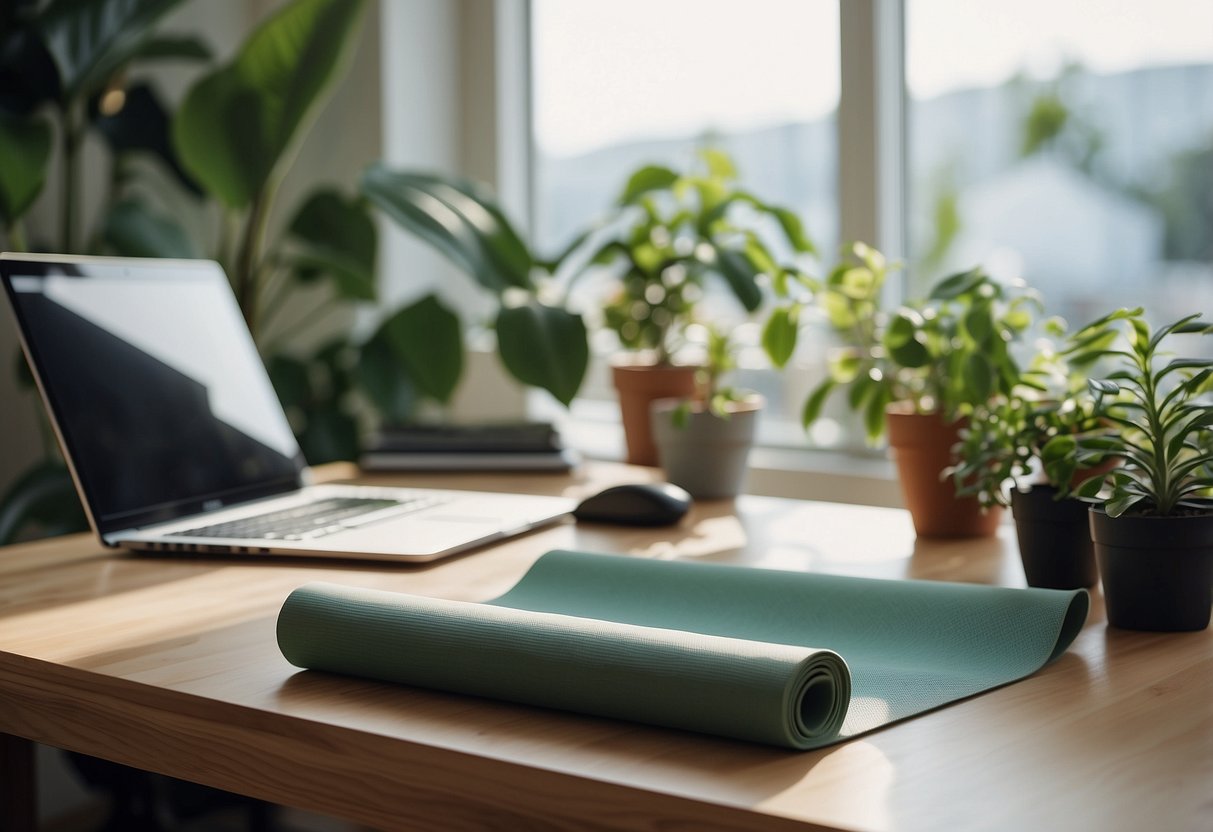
<point>858,282</point>
<point>426,342</point>
<point>1089,488</point>
<point>874,413</point>
<point>647,179</point>
<point>680,416</point>
<point>793,229</point>
<point>90,41</point>
<point>290,379</point>
<point>740,274</point>
<point>457,218</point>
<point>839,310</point>
<point>330,435</point>
<point>1104,386</point>
<point>174,47</point>
<point>978,378</point>
<point>903,340</point>
<point>239,124</point>
<point>844,365</point>
<point>760,259</point>
<point>337,237</point>
<point>42,499</point>
<point>815,402</point>
<point>132,229</point>
<point>780,333</point>
<point>958,284</point>
<point>1120,503</point>
<point>385,381</point>
<point>25,148</point>
<point>979,323</point>
<point>544,347</point>
<point>720,166</point>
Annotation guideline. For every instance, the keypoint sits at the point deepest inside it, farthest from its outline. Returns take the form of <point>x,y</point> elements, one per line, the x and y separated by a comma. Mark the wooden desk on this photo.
<point>171,666</point>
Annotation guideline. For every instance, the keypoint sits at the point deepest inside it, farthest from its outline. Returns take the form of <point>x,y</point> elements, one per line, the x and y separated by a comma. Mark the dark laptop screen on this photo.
<point>157,388</point>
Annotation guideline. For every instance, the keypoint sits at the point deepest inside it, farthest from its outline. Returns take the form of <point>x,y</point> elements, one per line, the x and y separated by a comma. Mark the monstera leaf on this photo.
<point>238,124</point>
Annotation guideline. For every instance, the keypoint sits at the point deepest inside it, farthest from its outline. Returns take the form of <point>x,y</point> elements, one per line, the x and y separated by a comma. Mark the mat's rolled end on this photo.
<point>820,694</point>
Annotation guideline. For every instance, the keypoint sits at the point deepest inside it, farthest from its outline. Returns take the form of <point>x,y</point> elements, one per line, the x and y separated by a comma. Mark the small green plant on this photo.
<point>1162,423</point>
<point>949,353</point>
<point>1032,433</point>
<point>720,358</point>
<point>670,231</point>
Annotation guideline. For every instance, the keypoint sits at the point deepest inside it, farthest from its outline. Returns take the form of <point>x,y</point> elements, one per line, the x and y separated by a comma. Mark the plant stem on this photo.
<point>67,199</point>
<point>249,254</point>
<point>16,236</point>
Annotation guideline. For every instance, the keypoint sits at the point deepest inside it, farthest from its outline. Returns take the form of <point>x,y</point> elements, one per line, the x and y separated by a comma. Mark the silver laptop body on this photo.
<point>176,440</point>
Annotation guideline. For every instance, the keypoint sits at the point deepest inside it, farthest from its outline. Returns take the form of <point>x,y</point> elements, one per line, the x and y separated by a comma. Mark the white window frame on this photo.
<point>493,122</point>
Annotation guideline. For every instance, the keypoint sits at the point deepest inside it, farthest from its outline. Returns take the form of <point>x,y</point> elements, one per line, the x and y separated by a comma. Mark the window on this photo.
<point>1069,142</point>
<point>631,82</point>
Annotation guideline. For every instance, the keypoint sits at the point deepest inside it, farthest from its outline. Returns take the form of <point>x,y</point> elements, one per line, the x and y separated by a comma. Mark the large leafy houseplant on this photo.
<point>669,233</point>
<point>918,371</point>
<point>62,77</point>
<point>232,140</point>
<point>666,234</point>
<point>1152,523</point>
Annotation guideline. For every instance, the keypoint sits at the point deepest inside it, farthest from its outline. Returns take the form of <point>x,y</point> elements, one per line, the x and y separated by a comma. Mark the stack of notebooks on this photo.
<point>514,446</point>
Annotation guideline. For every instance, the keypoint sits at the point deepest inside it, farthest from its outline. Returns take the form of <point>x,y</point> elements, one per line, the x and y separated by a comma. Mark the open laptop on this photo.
<point>176,440</point>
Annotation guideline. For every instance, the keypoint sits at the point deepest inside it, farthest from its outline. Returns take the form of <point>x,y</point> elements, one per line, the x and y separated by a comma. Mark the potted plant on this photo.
<point>1152,523</point>
<point>1022,451</point>
<point>669,232</point>
<point>703,442</point>
<point>918,372</point>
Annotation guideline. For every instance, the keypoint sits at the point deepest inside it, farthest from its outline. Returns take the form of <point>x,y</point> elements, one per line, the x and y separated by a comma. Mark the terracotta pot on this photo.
<point>921,445</point>
<point>706,456</point>
<point>639,385</point>
<point>1157,571</point>
<point>1054,539</point>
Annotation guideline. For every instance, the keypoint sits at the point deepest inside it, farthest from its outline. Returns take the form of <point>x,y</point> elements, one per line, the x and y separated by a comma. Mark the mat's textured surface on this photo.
<point>734,651</point>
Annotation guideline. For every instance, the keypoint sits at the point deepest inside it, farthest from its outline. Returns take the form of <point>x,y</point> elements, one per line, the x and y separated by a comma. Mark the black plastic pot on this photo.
<point>1054,539</point>
<point>1157,571</point>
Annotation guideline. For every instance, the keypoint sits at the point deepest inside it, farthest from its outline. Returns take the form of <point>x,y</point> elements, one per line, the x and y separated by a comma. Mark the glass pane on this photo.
<point>1067,141</point>
<point>620,84</point>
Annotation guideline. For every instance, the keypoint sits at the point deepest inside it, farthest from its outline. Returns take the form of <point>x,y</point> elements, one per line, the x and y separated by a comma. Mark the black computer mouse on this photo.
<point>636,504</point>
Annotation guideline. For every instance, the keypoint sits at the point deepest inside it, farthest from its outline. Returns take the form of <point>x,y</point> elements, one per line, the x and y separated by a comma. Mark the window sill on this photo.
<point>800,473</point>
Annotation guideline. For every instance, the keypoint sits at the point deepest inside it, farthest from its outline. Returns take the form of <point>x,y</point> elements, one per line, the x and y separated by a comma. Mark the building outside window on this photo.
<point>1068,142</point>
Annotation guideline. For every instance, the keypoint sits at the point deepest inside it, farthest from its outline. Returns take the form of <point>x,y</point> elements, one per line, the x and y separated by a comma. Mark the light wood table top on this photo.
<point>171,665</point>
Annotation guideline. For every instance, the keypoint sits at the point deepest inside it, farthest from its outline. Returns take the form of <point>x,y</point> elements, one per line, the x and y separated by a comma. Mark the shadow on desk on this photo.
<point>560,740</point>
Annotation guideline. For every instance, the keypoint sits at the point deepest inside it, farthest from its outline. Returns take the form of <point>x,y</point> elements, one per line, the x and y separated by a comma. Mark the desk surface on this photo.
<point>171,666</point>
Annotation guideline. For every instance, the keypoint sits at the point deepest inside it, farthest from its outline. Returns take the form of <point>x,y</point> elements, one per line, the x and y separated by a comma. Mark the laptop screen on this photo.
<point>155,384</point>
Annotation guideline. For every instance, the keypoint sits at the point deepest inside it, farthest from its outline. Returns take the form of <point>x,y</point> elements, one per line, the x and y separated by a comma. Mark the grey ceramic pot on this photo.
<point>708,455</point>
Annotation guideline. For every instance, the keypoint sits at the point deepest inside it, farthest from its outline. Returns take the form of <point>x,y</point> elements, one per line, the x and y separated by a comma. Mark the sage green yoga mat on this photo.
<point>794,659</point>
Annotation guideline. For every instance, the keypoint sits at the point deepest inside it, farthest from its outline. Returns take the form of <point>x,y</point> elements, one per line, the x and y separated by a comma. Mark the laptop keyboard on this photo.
<point>313,520</point>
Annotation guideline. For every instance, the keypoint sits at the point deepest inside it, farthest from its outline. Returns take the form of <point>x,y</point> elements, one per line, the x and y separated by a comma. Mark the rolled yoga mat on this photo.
<point>738,652</point>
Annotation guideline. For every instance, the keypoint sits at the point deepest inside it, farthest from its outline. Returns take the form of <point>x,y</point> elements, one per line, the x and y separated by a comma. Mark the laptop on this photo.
<point>176,440</point>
